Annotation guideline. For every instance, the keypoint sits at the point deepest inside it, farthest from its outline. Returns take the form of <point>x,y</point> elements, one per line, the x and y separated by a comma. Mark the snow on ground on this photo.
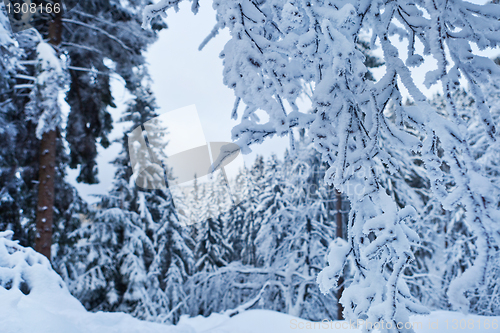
<point>262,321</point>
<point>33,298</point>
<point>61,313</point>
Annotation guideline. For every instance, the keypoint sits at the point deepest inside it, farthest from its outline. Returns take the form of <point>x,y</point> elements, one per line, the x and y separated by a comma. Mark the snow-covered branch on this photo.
<point>279,47</point>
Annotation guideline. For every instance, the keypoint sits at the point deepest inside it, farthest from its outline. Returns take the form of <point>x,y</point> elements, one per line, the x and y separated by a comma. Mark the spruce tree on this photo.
<point>211,248</point>
<point>252,181</point>
<point>144,246</point>
<point>10,129</point>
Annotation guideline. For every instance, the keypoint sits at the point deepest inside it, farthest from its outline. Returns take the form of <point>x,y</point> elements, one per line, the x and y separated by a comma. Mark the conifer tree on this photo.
<point>294,236</point>
<point>21,111</point>
<point>211,249</point>
<point>137,245</point>
<point>10,129</point>
<point>253,217</point>
<point>271,201</point>
<point>234,222</point>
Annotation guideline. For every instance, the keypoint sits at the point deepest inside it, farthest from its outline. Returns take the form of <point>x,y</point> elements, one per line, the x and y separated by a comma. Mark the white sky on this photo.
<point>185,77</point>
<point>187,132</point>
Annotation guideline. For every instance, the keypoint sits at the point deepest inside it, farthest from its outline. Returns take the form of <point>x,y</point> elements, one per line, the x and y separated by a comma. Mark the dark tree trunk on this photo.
<point>340,234</point>
<point>47,160</point>
<point>45,207</point>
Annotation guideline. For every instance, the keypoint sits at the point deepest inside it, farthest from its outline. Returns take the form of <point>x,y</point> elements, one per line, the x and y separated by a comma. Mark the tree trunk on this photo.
<point>340,234</point>
<point>46,189</point>
<point>47,161</point>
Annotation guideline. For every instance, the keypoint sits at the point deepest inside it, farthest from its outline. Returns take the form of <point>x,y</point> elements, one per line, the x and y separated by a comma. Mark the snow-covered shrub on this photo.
<point>23,269</point>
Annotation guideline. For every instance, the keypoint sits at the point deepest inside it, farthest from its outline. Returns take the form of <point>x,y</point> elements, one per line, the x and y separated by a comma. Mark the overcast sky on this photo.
<point>185,77</point>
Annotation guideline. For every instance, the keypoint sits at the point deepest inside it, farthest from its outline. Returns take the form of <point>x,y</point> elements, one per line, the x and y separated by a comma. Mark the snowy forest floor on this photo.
<point>58,312</point>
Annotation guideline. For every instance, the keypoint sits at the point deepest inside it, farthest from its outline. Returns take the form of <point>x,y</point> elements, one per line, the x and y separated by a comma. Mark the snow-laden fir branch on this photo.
<point>50,79</point>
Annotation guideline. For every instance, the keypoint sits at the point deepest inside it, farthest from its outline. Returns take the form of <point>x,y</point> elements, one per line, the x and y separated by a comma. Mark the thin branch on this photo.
<point>88,48</point>
<point>107,34</point>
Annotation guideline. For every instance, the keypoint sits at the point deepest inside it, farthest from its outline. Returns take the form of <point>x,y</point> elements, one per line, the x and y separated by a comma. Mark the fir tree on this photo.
<point>211,248</point>
<point>142,242</point>
<point>253,217</point>
<point>10,129</point>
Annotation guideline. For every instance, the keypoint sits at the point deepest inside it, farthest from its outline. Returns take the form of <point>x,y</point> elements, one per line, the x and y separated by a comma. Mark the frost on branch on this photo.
<point>278,47</point>
<point>337,254</point>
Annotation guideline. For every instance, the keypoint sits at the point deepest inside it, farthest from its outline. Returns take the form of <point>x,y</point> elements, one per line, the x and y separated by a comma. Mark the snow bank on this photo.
<point>263,321</point>
<point>33,298</point>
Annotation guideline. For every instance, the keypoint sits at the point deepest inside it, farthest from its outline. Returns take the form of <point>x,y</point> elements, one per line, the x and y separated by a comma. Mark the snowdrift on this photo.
<point>33,298</point>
